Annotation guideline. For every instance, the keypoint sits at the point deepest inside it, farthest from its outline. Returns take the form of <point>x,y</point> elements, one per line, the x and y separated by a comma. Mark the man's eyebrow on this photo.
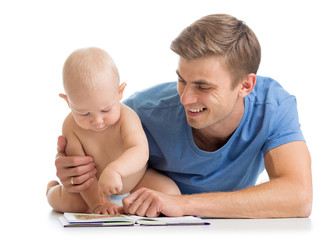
<point>201,81</point>
<point>178,74</point>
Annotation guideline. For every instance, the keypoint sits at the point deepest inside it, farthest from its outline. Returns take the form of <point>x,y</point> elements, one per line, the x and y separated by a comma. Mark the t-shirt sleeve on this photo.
<point>285,125</point>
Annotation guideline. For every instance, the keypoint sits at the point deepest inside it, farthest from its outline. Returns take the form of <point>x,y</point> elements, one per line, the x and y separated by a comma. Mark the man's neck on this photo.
<point>216,136</point>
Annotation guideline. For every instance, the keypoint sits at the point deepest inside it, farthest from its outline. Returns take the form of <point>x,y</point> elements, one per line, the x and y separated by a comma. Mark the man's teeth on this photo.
<point>195,110</point>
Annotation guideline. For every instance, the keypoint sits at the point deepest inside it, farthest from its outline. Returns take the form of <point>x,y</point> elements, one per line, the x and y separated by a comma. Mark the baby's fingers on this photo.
<point>115,190</point>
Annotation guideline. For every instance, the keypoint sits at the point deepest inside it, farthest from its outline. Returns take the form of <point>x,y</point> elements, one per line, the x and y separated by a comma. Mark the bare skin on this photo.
<point>86,174</point>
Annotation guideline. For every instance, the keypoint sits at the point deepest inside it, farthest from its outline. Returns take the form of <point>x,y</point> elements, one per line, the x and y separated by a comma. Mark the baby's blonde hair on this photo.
<point>84,67</point>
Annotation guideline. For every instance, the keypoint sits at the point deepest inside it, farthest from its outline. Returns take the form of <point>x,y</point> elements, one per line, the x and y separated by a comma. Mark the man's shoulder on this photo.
<point>269,91</point>
<point>162,95</point>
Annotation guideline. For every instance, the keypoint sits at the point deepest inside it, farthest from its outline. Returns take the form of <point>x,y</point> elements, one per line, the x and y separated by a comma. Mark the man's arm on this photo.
<point>287,194</point>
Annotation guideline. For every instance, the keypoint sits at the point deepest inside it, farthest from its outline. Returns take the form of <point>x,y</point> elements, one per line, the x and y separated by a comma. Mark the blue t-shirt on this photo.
<point>270,119</point>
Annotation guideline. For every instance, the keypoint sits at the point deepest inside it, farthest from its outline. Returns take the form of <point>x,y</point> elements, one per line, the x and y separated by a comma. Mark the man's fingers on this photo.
<point>127,201</point>
<point>61,143</point>
<point>121,210</point>
<point>134,200</point>
<point>143,202</point>
<point>84,177</point>
<point>79,174</point>
<point>78,188</point>
<point>74,161</point>
<point>155,209</point>
<point>144,206</point>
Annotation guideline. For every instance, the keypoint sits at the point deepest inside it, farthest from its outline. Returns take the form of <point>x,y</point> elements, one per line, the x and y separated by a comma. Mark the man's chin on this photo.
<point>195,124</point>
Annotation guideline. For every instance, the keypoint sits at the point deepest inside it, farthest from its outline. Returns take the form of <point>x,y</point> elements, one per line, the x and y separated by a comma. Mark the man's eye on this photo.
<point>203,87</point>
<point>180,80</point>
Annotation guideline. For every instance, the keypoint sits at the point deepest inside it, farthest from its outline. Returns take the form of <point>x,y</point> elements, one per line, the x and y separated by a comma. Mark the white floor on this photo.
<point>45,224</point>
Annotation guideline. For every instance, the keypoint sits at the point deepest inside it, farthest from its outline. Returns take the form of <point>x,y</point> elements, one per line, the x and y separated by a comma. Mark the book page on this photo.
<point>86,218</point>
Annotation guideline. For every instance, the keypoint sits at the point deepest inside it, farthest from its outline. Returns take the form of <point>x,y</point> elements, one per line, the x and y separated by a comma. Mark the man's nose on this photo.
<point>188,96</point>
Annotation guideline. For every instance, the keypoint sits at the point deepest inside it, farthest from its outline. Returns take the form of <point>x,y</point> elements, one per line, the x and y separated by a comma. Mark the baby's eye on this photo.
<point>85,114</point>
<point>106,110</point>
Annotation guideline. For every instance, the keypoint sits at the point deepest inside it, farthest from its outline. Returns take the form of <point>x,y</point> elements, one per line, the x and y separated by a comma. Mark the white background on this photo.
<point>298,49</point>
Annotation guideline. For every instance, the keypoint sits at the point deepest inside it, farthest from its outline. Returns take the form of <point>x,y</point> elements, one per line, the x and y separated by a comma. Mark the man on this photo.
<point>216,133</point>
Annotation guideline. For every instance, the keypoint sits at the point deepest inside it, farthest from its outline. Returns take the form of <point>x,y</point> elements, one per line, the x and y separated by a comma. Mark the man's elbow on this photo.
<point>304,203</point>
<point>306,208</point>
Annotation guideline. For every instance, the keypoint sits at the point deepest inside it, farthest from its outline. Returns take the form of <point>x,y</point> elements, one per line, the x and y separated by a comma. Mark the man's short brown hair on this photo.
<point>223,35</point>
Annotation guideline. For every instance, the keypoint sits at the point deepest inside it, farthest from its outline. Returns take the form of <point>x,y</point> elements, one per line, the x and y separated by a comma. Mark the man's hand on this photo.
<point>150,203</point>
<point>75,173</point>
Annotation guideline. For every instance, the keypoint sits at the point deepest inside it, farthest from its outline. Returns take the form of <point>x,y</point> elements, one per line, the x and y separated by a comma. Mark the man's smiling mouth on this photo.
<point>196,110</point>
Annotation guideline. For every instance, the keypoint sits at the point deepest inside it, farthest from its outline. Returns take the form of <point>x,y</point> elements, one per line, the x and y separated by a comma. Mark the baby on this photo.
<point>102,127</point>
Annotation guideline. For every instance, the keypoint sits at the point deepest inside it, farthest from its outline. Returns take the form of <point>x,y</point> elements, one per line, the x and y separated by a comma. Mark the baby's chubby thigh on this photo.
<point>131,181</point>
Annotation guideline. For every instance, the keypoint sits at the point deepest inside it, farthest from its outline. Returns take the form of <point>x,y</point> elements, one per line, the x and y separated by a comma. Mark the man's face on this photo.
<point>205,89</point>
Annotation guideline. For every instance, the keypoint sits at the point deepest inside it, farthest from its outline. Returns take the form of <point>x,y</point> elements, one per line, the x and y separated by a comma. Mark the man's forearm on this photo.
<point>276,198</point>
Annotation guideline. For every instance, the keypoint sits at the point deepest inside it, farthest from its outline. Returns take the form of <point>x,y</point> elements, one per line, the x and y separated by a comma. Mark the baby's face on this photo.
<point>95,109</point>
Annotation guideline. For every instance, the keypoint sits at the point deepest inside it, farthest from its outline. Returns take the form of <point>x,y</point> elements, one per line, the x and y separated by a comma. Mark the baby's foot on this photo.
<point>51,184</point>
<point>106,209</point>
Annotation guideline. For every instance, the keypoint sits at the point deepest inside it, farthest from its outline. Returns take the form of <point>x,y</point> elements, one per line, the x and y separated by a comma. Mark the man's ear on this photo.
<point>247,84</point>
<point>121,90</point>
<point>65,97</point>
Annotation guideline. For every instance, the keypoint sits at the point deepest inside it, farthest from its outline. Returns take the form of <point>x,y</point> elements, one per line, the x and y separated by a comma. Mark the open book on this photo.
<point>97,220</point>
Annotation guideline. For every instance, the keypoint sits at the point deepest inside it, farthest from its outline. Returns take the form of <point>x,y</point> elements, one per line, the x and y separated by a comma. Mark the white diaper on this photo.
<point>117,199</point>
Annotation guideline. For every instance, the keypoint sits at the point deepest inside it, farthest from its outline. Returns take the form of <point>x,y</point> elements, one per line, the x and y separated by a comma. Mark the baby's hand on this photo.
<point>106,209</point>
<point>110,183</point>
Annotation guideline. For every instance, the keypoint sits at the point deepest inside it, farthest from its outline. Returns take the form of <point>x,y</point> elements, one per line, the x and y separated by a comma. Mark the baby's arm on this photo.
<point>133,159</point>
<point>75,148</point>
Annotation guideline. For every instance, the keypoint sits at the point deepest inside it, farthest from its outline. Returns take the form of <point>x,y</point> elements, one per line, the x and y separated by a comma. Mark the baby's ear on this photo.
<point>65,97</point>
<point>121,90</point>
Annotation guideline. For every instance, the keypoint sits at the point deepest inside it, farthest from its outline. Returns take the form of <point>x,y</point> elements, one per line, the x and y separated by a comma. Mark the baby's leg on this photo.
<point>62,201</point>
<point>158,182</point>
